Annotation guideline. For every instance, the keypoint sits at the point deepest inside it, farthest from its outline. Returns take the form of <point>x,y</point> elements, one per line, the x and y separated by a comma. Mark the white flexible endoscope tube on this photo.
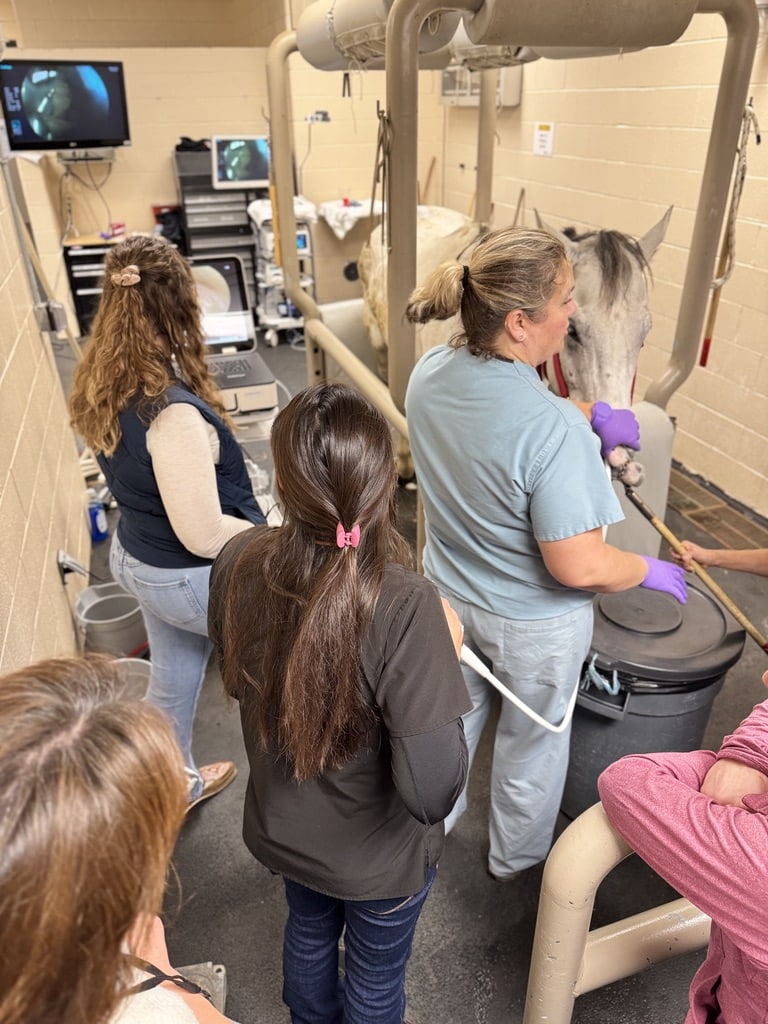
<point>472,661</point>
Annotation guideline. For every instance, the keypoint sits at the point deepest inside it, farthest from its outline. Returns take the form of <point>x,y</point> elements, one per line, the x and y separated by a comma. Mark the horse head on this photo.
<point>607,331</point>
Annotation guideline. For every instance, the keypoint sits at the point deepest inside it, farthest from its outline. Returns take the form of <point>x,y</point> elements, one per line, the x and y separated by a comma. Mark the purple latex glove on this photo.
<point>667,577</point>
<point>615,427</point>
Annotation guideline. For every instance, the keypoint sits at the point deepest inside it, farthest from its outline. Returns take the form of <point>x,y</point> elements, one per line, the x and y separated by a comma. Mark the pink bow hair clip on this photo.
<point>347,540</point>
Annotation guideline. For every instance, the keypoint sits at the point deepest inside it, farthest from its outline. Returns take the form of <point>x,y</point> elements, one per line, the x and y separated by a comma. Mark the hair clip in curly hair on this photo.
<point>127,277</point>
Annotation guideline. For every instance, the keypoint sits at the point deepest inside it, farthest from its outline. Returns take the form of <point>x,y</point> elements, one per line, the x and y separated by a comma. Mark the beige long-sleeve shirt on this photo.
<point>185,452</point>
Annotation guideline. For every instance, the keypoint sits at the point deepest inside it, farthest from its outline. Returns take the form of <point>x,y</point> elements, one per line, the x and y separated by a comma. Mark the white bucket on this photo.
<point>134,677</point>
<point>112,620</point>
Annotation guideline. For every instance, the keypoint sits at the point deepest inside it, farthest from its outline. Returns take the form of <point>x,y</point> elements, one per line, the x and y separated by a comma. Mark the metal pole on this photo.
<point>402,79</point>
<point>742,22</point>
<point>567,959</point>
<point>486,140</point>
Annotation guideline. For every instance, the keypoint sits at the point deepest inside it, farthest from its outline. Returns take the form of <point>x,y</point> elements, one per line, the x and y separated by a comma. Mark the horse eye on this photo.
<point>573,334</point>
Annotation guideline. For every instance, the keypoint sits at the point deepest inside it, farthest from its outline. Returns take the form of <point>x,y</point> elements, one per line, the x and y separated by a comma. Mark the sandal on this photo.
<point>219,776</point>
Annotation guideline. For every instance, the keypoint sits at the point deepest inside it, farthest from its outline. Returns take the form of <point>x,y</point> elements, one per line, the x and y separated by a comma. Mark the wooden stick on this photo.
<point>703,575</point>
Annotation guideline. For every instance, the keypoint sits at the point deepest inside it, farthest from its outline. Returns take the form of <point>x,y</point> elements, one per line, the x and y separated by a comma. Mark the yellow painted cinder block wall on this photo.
<point>630,138</point>
<point>42,492</point>
<point>197,92</point>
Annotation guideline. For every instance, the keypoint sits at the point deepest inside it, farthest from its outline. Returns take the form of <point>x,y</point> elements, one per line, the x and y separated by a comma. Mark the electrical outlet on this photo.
<point>67,564</point>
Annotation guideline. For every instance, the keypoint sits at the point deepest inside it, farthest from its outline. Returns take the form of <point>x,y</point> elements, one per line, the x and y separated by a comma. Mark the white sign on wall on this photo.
<point>543,138</point>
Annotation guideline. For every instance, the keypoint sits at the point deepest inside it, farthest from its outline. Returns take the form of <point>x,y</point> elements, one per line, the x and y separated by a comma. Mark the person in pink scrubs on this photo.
<point>701,821</point>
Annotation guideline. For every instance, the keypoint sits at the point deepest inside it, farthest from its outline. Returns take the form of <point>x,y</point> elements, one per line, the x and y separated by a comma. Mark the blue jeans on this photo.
<point>377,940</point>
<point>174,604</point>
<point>540,661</point>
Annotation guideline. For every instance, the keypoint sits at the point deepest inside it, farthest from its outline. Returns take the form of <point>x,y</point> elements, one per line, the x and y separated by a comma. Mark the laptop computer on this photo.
<point>244,379</point>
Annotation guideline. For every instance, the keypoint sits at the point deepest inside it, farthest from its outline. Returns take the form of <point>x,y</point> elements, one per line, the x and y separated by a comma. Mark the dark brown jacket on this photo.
<point>372,829</point>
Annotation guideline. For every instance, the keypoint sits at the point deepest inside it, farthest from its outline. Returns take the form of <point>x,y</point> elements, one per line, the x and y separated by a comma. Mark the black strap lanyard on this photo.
<point>157,977</point>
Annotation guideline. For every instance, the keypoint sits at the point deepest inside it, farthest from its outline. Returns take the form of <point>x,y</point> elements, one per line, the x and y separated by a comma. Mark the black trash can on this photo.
<point>670,662</point>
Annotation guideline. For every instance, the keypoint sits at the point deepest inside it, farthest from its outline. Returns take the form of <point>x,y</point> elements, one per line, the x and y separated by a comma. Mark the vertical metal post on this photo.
<point>402,78</point>
<point>742,22</point>
<point>486,141</point>
<point>281,151</point>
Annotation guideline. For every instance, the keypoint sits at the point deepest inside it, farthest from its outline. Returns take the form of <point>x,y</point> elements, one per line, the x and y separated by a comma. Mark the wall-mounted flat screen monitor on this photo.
<point>240,161</point>
<point>63,104</point>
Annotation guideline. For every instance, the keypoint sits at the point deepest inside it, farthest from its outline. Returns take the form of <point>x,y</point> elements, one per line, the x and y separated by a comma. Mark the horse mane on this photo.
<point>614,252</point>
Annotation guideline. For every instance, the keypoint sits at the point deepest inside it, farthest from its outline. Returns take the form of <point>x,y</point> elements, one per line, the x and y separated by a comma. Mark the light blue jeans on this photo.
<point>174,604</point>
<point>540,661</point>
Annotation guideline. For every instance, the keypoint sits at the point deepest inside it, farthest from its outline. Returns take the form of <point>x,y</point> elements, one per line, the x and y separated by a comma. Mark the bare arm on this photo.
<point>585,561</point>
<point>728,782</point>
<point>454,625</point>
<point>754,560</point>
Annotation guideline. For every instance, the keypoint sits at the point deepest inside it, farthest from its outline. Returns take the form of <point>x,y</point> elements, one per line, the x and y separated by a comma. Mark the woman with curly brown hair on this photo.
<point>144,401</point>
<point>86,834</point>
<point>350,698</point>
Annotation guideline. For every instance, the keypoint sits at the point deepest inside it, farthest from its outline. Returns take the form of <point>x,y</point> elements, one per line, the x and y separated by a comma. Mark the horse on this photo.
<point>602,348</point>
<point>605,335</point>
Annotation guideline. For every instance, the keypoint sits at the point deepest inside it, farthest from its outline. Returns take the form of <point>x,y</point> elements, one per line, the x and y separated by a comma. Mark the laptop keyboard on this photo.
<point>231,367</point>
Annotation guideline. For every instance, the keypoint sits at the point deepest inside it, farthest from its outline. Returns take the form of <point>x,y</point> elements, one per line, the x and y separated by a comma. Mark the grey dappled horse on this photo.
<point>607,331</point>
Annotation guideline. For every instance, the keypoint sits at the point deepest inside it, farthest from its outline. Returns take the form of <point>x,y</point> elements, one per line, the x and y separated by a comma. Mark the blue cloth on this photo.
<point>144,527</point>
<point>174,604</point>
<point>501,463</point>
<point>378,936</point>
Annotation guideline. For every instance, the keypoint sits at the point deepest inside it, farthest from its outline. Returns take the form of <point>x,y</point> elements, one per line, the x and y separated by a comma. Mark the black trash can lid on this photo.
<point>649,635</point>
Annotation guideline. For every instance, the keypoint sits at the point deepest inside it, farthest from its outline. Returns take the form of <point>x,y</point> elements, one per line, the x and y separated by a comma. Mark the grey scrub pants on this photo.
<point>540,661</point>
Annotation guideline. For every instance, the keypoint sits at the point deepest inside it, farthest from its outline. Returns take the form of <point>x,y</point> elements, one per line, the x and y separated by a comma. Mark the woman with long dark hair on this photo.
<point>344,663</point>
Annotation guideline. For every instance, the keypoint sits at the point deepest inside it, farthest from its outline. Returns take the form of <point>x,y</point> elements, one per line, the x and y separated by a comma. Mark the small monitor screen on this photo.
<point>63,104</point>
<point>240,161</point>
<point>223,297</point>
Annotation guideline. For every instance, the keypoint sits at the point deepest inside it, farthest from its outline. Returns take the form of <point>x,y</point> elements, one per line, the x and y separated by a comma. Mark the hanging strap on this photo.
<point>748,124</point>
<point>157,977</point>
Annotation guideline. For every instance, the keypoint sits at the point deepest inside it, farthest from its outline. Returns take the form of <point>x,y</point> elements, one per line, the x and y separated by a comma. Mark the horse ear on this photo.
<point>652,239</point>
<point>570,246</point>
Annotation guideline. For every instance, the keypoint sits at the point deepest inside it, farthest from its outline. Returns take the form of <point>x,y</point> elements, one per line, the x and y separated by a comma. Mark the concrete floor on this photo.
<point>472,948</point>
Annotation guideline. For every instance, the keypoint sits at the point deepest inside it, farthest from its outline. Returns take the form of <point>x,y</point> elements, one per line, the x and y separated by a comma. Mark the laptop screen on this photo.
<point>227,318</point>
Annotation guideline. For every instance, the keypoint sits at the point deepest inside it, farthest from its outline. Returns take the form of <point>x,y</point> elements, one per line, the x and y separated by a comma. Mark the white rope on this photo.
<point>472,661</point>
<point>748,123</point>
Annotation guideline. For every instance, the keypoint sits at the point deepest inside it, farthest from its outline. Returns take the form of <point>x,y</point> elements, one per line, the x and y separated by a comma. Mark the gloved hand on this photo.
<point>666,577</point>
<point>615,427</point>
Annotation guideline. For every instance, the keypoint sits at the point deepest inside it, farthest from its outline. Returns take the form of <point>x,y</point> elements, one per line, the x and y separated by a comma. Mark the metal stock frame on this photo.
<point>568,959</point>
